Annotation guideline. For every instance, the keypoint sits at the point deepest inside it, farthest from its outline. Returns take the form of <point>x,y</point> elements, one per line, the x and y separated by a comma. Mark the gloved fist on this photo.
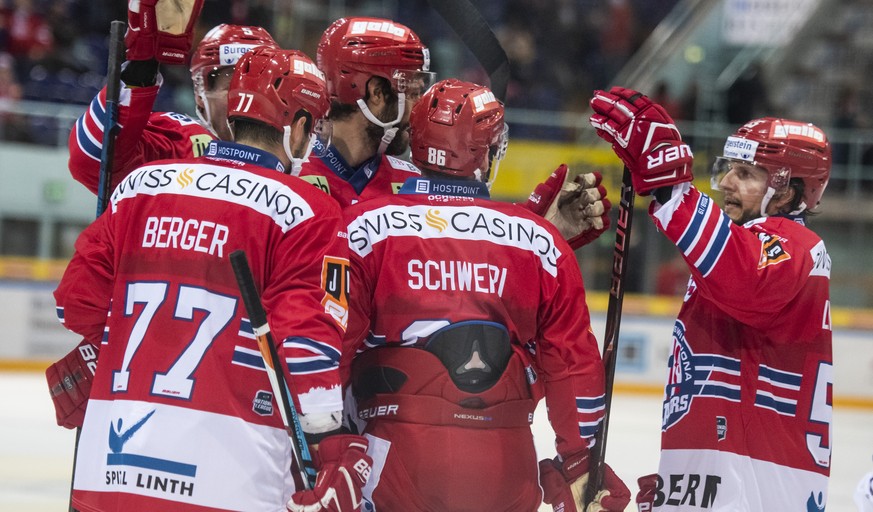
<point>648,488</point>
<point>578,208</point>
<point>644,136</point>
<point>69,382</point>
<point>161,29</point>
<point>343,470</point>
<point>564,484</point>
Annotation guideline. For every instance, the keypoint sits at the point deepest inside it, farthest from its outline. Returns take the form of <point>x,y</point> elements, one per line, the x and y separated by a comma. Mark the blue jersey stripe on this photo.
<point>714,252</point>
<point>686,241</point>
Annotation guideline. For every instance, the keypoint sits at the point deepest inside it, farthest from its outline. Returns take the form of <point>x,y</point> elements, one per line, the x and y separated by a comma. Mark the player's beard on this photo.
<point>400,144</point>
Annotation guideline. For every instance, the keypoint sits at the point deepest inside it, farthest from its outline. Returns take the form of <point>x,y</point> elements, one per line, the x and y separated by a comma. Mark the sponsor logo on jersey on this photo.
<point>691,489</point>
<point>319,182</point>
<point>772,251</point>
<point>238,187</point>
<point>815,503</point>
<point>794,130</point>
<point>199,143</point>
<point>142,471</point>
<point>720,428</point>
<point>434,220</point>
<point>696,375</point>
<point>821,261</point>
<point>483,101</point>
<point>461,223</point>
<point>377,28</point>
<point>740,149</point>
<point>335,282</point>
<point>182,119</point>
<point>184,177</point>
<point>262,404</point>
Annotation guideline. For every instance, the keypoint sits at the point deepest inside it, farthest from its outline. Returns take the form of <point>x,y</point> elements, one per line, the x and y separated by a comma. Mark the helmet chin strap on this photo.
<point>296,163</point>
<point>207,118</point>
<point>389,128</point>
<point>766,200</point>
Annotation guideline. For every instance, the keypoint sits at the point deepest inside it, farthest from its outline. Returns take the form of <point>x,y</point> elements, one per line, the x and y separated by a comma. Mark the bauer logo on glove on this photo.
<point>644,136</point>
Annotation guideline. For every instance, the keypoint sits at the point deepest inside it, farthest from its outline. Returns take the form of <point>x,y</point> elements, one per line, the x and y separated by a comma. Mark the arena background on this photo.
<point>712,63</point>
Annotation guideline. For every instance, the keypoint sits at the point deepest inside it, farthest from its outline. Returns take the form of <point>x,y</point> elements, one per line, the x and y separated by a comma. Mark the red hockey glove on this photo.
<point>644,136</point>
<point>648,488</point>
<point>69,382</point>
<point>578,208</point>
<point>564,485</point>
<point>161,29</point>
<point>343,470</point>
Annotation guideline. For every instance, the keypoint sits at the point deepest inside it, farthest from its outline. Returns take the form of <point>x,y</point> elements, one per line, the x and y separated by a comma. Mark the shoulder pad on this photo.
<point>402,165</point>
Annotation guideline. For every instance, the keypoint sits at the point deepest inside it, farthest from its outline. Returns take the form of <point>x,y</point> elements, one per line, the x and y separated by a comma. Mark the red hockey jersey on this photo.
<point>181,414</point>
<point>438,255</point>
<point>144,136</point>
<point>747,406</point>
<point>379,176</point>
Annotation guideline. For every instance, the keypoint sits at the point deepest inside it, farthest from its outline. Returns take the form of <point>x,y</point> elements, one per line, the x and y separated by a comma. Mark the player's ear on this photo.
<point>300,130</point>
<point>375,93</point>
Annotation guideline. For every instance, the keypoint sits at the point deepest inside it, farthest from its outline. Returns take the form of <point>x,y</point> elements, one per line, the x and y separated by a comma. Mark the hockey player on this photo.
<point>181,414</point>
<point>376,70</point>
<point>146,136</point>
<point>486,316</point>
<point>746,422</point>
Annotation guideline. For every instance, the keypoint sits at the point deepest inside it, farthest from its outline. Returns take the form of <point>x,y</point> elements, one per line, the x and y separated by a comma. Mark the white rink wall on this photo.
<point>33,334</point>
<point>36,455</point>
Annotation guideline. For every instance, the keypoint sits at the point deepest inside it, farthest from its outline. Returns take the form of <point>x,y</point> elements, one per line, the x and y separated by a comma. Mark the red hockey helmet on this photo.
<point>352,50</point>
<point>785,149</point>
<point>223,46</point>
<point>457,128</point>
<point>271,85</point>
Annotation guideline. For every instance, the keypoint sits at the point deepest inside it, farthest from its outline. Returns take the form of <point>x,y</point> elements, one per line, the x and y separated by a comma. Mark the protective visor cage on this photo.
<point>412,83</point>
<point>496,154</point>
<point>777,180</point>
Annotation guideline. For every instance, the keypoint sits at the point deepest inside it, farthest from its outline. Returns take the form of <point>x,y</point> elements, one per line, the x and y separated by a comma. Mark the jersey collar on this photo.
<point>231,151</point>
<point>358,177</point>
<point>445,187</point>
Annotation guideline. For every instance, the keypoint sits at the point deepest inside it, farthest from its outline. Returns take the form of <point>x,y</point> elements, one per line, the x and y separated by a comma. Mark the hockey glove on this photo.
<point>644,136</point>
<point>648,488</point>
<point>69,382</point>
<point>564,482</point>
<point>578,208</point>
<point>343,470</point>
<point>161,29</point>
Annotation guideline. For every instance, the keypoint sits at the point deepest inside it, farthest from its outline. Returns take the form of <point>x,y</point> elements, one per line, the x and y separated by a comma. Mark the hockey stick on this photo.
<point>613,323</point>
<point>275,368</point>
<point>474,31</point>
<point>107,153</point>
<point>110,118</point>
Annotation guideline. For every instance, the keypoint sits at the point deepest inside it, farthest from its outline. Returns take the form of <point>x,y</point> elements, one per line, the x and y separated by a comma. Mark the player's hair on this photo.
<point>249,130</point>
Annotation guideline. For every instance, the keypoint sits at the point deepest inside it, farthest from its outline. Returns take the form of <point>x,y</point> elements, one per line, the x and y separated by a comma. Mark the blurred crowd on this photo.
<point>559,50</point>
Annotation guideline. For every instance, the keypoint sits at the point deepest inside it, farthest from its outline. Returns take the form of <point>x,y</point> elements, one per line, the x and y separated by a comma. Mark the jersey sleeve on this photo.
<point>569,357</point>
<point>734,266</point>
<point>84,294</point>
<point>306,299</point>
<point>143,136</point>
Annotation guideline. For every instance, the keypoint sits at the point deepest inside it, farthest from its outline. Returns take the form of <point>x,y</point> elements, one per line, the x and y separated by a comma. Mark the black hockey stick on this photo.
<point>613,323</point>
<point>275,367</point>
<point>474,31</point>
<point>110,129</point>
<point>110,118</point>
